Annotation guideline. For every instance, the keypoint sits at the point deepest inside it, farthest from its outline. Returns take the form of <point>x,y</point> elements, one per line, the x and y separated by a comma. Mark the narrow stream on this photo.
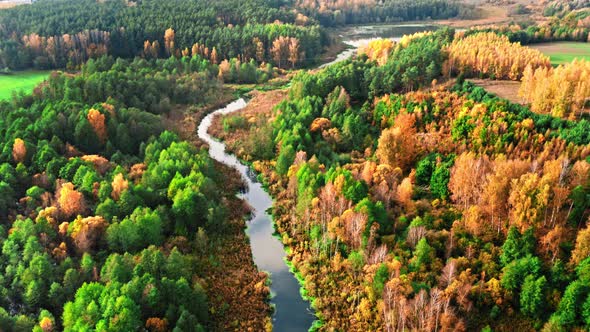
<point>292,313</point>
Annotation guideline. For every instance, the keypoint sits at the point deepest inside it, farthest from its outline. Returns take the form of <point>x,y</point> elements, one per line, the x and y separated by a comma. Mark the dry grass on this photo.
<point>184,120</point>
<point>496,12</point>
<point>258,109</point>
<point>503,89</point>
<point>257,115</point>
<point>10,4</point>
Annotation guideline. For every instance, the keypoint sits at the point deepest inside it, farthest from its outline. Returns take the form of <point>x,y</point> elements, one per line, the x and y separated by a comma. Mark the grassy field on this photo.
<point>24,81</point>
<point>562,52</point>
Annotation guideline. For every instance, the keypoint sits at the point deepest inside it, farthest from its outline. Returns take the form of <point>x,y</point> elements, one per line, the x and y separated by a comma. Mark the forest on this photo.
<point>413,205</point>
<point>111,222</point>
<point>407,197</point>
<point>66,33</point>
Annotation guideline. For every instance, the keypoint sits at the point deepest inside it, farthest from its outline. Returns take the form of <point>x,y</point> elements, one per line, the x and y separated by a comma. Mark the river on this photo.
<point>292,313</point>
<point>355,37</point>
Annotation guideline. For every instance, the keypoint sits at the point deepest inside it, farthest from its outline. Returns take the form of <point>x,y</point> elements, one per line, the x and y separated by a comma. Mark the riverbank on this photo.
<point>234,129</point>
<point>237,290</point>
<point>292,312</point>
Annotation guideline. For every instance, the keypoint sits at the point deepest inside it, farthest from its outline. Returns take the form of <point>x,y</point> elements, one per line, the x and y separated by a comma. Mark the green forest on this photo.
<point>407,196</point>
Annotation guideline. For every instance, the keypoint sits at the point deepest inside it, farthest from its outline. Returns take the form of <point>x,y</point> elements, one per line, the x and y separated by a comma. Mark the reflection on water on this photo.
<point>360,36</point>
<point>292,313</point>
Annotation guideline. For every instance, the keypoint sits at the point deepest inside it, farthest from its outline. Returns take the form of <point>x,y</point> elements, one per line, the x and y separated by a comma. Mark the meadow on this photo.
<point>20,81</point>
<point>563,52</point>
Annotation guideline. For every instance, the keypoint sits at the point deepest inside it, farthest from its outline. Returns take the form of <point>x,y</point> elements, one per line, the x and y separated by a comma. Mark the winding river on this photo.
<point>292,313</point>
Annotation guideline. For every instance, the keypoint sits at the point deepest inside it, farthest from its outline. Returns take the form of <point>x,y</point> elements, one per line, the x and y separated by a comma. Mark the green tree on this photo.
<point>531,296</point>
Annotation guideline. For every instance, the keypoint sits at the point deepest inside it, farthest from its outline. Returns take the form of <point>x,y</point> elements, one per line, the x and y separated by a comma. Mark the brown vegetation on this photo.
<point>502,88</point>
<point>236,289</point>
<point>257,114</point>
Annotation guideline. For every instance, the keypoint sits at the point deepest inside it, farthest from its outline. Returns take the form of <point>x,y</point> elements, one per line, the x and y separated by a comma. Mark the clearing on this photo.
<point>562,52</point>
<point>20,81</point>
<point>503,89</point>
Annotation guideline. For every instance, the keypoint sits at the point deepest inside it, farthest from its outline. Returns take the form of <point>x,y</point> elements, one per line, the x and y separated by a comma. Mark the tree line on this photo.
<point>574,26</point>
<point>66,33</point>
<point>233,29</point>
<point>334,13</point>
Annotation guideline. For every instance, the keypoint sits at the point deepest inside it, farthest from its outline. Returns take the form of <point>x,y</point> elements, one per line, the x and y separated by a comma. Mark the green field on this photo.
<point>20,81</point>
<point>562,52</point>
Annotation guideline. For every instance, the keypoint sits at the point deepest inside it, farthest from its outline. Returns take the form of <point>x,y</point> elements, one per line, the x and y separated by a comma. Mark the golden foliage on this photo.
<point>85,232</point>
<point>528,198</point>
<point>50,214</point>
<point>60,252</point>
<point>404,193</point>
<point>156,324</point>
<point>169,36</point>
<point>320,124</point>
<point>46,324</point>
<point>494,56</point>
<point>582,249</point>
<point>260,49</point>
<point>119,186</point>
<point>97,121</point>
<point>137,171</point>
<point>466,178</point>
<point>286,49</point>
<point>19,150</point>
<point>214,56</point>
<point>406,39</point>
<point>561,91</point>
<point>378,50</point>
<point>354,225</point>
<point>101,164</point>
<point>71,202</point>
<point>397,145</point>
<point>224,70</point>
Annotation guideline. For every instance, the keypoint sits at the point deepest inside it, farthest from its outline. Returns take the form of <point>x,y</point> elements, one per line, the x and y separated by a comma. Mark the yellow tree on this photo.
<point>528,199</point>
<point>214,56</point>
<point>466,178</point>
<point>119,185</point>
<point>295,54</point>
<point>169,36</point>
<point>260,51</point>
<point>97,121</point>
<point>397,145</point>
<point>582,249</point>
<point>280,50</point>
<point>378,50</point>
<point>71,202</point>
<point>86,232</point>
<point>19,150</point>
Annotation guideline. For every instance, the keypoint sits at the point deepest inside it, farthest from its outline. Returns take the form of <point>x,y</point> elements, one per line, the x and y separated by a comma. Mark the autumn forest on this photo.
<point>428,181</point>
